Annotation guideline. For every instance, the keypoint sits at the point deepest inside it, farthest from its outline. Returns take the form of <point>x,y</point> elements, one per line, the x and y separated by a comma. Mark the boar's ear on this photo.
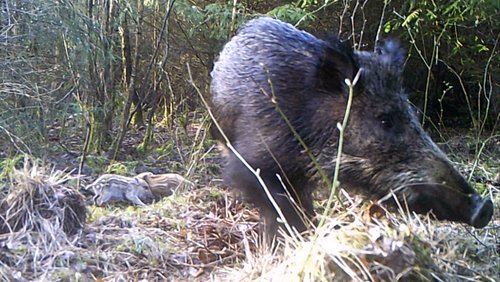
<point>391,53</point>
<point>336,65</point>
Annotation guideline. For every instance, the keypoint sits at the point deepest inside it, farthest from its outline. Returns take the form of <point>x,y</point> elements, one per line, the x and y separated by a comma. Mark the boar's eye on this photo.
<point>387,121</point>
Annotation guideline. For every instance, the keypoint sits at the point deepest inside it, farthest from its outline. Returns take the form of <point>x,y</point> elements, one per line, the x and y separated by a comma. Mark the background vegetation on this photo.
<point>97,68</point>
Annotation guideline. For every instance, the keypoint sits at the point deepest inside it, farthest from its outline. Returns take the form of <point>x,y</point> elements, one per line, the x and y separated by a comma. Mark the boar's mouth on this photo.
<point>445,203</point>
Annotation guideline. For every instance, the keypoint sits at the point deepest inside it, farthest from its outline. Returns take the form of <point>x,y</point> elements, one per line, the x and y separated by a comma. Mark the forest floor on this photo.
<point>204,233</point>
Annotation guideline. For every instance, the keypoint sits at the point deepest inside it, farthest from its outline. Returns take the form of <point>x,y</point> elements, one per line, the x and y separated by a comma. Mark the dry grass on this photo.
<point>182,237</point>
<point>202,234</point>
<point>364,242</point>
<point>39,217</point>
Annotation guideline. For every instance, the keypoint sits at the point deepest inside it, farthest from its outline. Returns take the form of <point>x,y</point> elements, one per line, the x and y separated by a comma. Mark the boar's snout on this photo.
<point>448,204</point>
<point>481,211</point>
<point>450,201</point>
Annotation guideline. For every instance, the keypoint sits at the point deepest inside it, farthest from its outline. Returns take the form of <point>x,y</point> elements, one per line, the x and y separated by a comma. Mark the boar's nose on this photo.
<point>482,211</point>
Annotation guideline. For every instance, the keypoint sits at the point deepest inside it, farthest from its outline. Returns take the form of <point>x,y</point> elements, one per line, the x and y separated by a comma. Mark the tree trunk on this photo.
<point>129,69</point>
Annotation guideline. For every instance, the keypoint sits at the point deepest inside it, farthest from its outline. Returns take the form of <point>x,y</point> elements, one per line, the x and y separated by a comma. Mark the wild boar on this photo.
<point>271,70</point>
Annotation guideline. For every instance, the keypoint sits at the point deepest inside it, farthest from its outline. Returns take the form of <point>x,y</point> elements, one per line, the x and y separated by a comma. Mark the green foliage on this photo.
<point>481,188</point>
<point>118,168</point>
<point>8,165</point>
<point>215,21</point>
<point>455,23</point>
<point>101,164</point>
<point>165,150</point>
<point>219,21</point>
<point>141,148</point>
<point>292,13</point>
<point>96,163</point>
<point>456,42</point>
<point>306,3</point>
<point>214,195</point>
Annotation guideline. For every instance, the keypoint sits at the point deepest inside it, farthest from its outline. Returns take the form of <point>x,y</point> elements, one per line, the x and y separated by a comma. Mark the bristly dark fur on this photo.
<point>270,68</point>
